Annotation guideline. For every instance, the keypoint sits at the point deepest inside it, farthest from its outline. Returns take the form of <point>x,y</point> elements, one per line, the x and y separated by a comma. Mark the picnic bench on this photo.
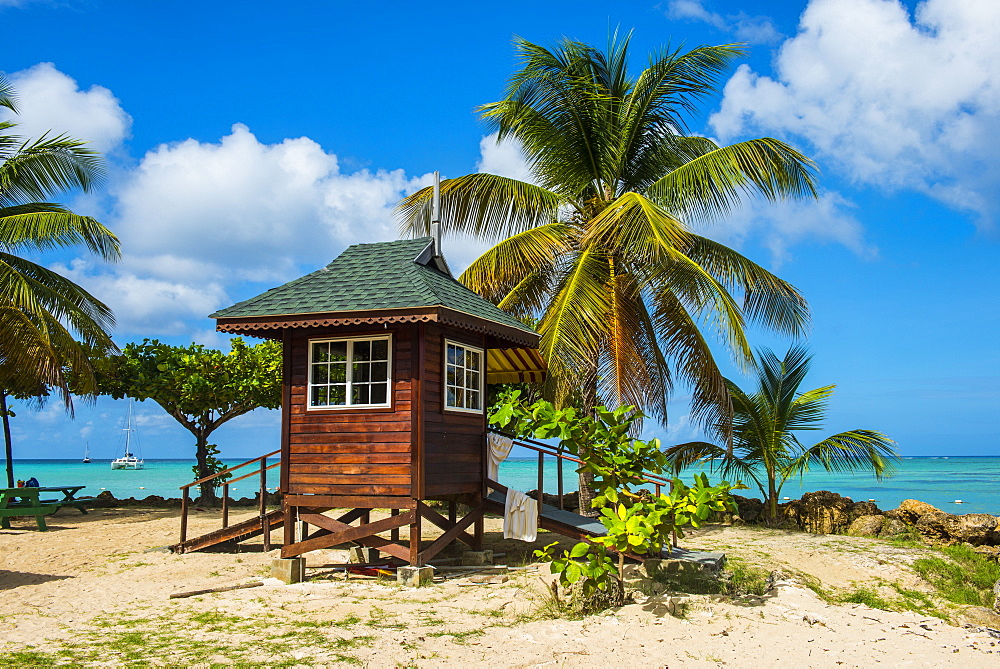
<point>39,502</point>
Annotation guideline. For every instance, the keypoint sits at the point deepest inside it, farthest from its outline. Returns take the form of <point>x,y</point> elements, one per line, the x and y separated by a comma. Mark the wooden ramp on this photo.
<point>578,527</point>
<point>247,529</point>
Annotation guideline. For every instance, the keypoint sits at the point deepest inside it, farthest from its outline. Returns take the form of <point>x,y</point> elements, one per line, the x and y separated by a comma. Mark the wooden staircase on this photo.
<point>248,529</point>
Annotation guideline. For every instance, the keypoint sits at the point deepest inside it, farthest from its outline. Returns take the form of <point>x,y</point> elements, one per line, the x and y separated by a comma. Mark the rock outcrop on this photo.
<point>866,526</point>
<point>909,511</point>
<point>823,512</point>
<point>748,509</point>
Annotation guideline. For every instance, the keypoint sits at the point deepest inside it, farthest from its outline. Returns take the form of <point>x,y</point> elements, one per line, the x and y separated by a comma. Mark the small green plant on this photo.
<point>745,579</point>
<point>962,576</point>
<point>867,596</point>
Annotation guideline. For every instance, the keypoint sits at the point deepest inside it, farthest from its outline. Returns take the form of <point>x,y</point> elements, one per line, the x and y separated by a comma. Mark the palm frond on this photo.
<point>710,186</point>
<point>43,230</point>
<point>485,205</point>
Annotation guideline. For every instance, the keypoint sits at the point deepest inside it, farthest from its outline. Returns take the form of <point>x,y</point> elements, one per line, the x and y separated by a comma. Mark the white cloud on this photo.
<point>781,225</point>
<point>892,100</point>
<point>51,101</point>
<point>503,158</point>
<point>745,27</point>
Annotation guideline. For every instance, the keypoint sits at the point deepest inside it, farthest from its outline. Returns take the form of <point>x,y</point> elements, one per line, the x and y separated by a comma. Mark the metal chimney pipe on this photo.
<point>436,215</point>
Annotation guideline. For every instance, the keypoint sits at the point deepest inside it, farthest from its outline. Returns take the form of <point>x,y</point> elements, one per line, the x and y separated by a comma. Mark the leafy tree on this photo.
<point>765,447</point>
<point>599,247</point>
<point>201,388</point>
<point>47,322</point>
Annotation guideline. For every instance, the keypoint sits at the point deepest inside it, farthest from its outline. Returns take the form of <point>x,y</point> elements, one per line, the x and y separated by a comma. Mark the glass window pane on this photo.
<point>320,373</point>
<point>472,380</point>
<point>472,359</point>
<point>321,352</point>
<point>362,350</point>
<point>359,394</point>
<point>459,397</point>
<point>338,350</point>
<point>338,395</point>
<point>379,393</point>
<point>319,396</point>
<point>473,399</point>
<point>361,372</point>
<point>338,372</point>
<point>454,355</point>
<point>380,350</point>
<point>452,376</point>
<point>379,371</point>
<point>451,397</point>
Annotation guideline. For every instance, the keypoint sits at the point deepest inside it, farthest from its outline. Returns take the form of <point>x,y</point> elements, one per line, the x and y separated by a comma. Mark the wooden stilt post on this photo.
<point>225,505</point>
<point>453,511</point>
<point>479,529</point>
<point>415,559</point>
<point>289,526</point>
<point>394,532</point>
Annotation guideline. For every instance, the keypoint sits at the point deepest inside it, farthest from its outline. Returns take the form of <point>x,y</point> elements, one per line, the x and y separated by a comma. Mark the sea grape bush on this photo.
<point>637,521</point>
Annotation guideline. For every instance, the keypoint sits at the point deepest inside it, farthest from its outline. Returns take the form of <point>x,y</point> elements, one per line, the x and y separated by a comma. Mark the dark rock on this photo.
<point>864,509</point>
<point>866,526</point>
<point>748,509</point>
<point>821,512</point>
<point>893,527</point>
<point>972,528</point>
<point>933,527</point>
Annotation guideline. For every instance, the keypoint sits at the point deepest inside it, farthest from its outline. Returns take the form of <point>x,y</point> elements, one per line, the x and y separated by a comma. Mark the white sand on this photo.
<point>88,591</point>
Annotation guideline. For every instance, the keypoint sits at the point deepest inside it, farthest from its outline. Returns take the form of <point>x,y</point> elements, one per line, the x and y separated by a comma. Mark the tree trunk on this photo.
<point>208,497</point>
<point>772,499</point>
<point>587,494</point>
<point>8,446</point>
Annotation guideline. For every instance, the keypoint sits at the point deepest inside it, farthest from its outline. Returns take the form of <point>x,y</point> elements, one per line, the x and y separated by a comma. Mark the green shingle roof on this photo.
<point>372,277</point>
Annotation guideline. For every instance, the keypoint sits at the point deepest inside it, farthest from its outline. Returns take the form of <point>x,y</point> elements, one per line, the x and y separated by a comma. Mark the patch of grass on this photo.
<point>746,579</point>
<point>347,622</point>
<point>27,658</point>
<point>459,637</point>
<point>962,576</point>
<point>867,596</point>
<point>378,617</point>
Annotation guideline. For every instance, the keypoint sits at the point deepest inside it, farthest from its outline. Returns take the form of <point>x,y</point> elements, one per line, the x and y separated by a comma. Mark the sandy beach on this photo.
<point>94,590</point>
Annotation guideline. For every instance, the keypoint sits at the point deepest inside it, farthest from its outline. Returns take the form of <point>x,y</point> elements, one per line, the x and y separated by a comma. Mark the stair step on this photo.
<point>241,531</point>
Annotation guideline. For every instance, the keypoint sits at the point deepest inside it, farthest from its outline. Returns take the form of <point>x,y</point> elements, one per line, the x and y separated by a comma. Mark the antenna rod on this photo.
<point>436,214</point>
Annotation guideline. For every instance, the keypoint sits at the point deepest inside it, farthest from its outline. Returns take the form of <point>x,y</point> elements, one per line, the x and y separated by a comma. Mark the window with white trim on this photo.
<point>463,372</point>
<point>349,372</point>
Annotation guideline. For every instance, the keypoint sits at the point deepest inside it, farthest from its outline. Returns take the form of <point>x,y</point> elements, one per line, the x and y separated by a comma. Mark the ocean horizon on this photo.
<point>937,480</point>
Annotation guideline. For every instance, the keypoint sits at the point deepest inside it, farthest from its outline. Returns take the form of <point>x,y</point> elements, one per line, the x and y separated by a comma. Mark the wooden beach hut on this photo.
<point>386,361</point>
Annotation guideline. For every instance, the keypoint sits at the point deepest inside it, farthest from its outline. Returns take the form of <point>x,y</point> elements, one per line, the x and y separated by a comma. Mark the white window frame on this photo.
<point>482,378</point>
<point>350,372</point>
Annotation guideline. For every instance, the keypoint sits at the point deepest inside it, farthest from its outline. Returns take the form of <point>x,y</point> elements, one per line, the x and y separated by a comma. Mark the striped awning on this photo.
<point>514,365</point>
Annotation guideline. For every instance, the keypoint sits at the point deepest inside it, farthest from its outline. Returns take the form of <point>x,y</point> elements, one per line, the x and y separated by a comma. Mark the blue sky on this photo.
<point>251,142</point>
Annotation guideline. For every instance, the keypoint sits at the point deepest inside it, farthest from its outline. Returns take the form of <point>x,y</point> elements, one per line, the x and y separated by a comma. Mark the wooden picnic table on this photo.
<point>39,502</point>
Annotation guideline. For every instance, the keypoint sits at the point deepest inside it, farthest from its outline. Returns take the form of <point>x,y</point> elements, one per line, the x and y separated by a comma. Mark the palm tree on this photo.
<point>47,322</point>
<point>600,247</point>
<point>765,448</point>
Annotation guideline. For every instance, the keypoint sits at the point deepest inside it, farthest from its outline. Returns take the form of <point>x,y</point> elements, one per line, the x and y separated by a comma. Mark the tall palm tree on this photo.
<point>46,321</point>
<point>765,448</point>
<point>600,247</point>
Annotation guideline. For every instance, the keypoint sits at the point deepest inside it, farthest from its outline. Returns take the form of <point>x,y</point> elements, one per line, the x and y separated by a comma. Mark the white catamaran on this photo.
<point>128,460</point>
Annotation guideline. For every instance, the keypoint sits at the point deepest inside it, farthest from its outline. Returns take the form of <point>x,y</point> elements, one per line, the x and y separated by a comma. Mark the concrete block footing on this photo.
<point>476,558</point>
<point>415,576</point>
<point>362,555</point>
<point>289,570</point>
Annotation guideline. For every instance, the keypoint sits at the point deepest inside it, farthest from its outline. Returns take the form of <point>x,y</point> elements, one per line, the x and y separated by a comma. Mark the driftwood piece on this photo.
<point>192,593</point>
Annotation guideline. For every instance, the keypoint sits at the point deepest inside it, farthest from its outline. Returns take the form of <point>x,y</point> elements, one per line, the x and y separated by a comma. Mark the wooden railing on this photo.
<point>544,449</point>
<point>262,471</point>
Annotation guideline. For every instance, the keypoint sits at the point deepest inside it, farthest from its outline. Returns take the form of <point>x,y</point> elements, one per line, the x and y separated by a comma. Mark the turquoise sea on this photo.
<point>936,480</point>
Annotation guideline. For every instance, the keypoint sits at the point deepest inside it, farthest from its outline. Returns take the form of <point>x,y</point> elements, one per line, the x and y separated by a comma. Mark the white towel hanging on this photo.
<point>499,450</point>
<point>520,517</point>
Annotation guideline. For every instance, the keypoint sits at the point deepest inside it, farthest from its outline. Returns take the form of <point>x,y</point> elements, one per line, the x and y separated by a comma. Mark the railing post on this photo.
<point>184,515</point>
<point>541,478</point>
<point>265,526</point>
<point>559,480</point>
<point>225,505</point>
